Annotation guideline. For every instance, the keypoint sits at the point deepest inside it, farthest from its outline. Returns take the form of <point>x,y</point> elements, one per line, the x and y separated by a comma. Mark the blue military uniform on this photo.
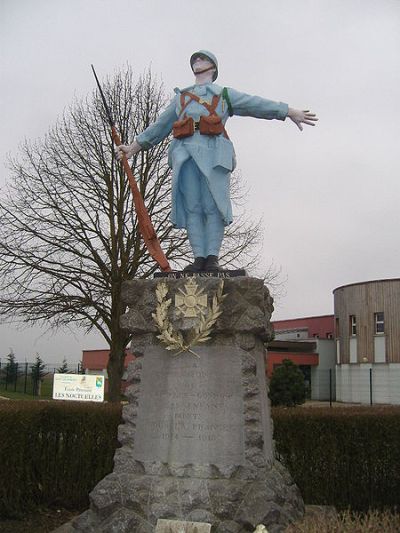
<point>202,164</point>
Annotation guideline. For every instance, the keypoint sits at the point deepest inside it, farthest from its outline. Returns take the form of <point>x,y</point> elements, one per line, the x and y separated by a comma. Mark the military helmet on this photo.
<point>208,55</point>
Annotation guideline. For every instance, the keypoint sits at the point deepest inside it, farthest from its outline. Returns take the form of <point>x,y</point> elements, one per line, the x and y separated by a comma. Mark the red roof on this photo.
<point>317,326</point>
<point>98,359</point>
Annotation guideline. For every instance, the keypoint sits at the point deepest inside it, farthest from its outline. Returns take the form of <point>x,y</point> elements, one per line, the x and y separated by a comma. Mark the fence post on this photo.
<point>15,377</point>
<point>330,387</point>
<point>370,386</point>
<point>33,379</point>
<point>26,376</point>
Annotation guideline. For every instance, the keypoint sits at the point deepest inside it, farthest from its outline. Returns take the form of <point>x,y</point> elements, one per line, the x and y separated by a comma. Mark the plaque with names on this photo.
<point>191,410</point>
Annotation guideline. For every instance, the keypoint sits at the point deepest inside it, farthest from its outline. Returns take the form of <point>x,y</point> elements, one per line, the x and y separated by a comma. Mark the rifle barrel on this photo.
<point>146,228</point>
<point>109,115</point>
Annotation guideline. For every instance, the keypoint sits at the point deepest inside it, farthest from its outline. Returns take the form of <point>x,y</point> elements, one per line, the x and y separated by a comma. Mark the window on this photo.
<point>379,323</point>
<point>337,329</point>
<point>353,325</point>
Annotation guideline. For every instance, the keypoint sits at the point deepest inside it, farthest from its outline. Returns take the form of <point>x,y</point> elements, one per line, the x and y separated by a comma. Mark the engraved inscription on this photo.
<point>191,411</point>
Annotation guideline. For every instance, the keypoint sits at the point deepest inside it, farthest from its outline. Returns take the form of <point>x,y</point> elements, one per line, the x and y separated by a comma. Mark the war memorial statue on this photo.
<point>197,452</point>
<point>202,156</point>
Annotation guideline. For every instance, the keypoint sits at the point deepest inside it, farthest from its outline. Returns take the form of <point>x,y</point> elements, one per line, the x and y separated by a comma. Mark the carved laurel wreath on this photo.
<point>173,339</point>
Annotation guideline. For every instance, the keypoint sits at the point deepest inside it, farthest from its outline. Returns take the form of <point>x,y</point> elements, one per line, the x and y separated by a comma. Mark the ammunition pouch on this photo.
<point>211,125</point>
<point>183,128</point>
<point>207,125</point>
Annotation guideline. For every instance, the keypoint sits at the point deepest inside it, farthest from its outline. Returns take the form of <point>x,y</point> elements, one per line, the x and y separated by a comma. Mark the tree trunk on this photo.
<point>115,368</point>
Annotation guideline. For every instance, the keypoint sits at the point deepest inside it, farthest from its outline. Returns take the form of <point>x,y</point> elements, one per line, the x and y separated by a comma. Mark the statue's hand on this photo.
<point>300,117</point>
<point>129,150</point>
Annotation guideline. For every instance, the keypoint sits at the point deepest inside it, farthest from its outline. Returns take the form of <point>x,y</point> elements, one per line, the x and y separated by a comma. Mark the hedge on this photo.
<point>345,456</point>
<point>54,453</point>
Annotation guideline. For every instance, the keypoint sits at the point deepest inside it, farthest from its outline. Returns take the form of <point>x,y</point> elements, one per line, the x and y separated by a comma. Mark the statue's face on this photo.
<point>201,63</point>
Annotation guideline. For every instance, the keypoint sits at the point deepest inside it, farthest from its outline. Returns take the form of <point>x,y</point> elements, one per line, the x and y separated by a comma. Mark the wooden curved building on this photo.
<point>367,333</point>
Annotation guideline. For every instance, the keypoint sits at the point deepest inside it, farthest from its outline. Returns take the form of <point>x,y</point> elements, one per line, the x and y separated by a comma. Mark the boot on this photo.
<point>196,266</point>
<point>212,265</point>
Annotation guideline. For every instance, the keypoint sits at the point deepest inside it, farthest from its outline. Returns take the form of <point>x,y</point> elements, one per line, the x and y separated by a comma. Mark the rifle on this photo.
<point>146,228</point>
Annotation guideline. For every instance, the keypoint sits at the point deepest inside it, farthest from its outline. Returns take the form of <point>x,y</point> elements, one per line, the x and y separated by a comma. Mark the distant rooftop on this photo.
<point>366,283</point>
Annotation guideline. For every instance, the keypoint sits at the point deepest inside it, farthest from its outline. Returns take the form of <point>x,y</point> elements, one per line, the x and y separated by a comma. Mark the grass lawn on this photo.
<point>328,521</point>
<point>19,394</point>
<point>11,395</point>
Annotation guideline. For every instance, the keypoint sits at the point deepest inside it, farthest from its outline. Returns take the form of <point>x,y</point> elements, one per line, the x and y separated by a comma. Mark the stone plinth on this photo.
<point>197,439</point>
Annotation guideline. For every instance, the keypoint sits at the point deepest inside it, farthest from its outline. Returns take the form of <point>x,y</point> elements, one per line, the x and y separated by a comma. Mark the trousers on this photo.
<point>204,223</point>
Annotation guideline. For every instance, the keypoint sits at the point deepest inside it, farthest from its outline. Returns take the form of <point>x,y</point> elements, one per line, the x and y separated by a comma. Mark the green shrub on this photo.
<point>53,452</point>
<point>347,457</point>
<point>286,386</point>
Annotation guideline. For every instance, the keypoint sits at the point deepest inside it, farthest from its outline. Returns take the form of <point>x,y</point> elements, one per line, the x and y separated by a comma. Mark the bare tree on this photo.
<point>68,229</point>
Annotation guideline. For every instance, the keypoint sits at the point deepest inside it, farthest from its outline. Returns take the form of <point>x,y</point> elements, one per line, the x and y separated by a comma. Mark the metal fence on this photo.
<point>18,376</point>
<point>368,383</point>
<point>323,384</point>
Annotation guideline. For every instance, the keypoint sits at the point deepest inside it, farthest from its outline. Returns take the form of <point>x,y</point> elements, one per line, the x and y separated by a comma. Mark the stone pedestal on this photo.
<point>197,439</point>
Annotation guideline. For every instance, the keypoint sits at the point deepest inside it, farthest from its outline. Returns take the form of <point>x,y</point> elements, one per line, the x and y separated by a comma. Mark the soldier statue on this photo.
<point>202,156</point>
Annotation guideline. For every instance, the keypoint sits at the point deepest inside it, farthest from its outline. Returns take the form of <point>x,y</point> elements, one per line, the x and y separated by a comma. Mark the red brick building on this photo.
<point>309,343</point>
<point>311,327</point>
<point>95,362</point>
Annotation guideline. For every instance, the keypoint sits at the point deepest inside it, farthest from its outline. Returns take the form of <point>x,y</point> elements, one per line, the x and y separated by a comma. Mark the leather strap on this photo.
<point>210,107</point>
<point>204,70</point>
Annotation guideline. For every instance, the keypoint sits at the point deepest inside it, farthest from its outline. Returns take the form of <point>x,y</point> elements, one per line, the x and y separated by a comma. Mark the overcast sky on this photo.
<point>329,196</point>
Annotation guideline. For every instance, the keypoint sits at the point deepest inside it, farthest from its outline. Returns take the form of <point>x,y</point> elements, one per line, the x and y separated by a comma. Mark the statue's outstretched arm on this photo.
<point>302,117</point>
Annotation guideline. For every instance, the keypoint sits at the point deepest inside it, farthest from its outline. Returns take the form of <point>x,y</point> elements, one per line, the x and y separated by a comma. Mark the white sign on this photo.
<point>79,387</point>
